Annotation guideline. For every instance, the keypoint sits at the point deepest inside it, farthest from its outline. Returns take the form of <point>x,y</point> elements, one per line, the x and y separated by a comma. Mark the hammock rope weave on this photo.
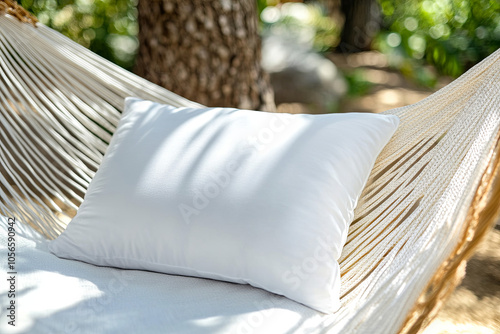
<point>432,194</point>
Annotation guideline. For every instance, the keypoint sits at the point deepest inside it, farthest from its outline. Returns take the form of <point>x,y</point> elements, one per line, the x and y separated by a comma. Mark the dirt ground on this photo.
<point>474,307</point>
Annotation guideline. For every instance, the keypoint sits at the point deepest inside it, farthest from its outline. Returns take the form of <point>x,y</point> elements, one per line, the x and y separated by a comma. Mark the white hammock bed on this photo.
<point>432,195</point>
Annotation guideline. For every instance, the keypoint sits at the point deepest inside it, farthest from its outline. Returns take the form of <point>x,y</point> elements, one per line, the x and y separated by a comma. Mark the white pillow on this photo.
<point>234,195</point>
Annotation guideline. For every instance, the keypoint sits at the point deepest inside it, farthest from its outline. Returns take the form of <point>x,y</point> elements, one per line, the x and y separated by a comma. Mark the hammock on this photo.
<point>431,197</point>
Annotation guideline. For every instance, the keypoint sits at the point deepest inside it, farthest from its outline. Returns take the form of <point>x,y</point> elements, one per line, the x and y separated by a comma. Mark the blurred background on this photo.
<point>330,55</point>
<point>316,57</point>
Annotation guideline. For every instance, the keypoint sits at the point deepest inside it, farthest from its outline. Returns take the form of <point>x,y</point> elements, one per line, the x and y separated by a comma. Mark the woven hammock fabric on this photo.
<point>429,197</point>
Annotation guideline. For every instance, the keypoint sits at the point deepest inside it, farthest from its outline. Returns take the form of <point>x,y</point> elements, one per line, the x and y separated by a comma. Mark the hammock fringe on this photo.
<point>12,8</point>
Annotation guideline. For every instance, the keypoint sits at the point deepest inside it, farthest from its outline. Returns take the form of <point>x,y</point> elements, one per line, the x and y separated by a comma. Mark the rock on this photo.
<point>298,74</point>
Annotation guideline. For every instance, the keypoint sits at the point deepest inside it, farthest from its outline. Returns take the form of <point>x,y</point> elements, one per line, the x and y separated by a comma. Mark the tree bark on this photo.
<point>362,22</point>
<point>208,51</point>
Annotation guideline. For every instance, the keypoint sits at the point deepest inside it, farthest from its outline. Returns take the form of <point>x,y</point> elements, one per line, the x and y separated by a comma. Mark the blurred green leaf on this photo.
<point>91,23</point>
<point>304,21</point>
<point>357,82</point>
<point>451,35</point>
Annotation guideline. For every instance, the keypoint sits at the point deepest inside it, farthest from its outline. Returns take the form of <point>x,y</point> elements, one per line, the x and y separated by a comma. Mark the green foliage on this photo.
<point>357,82</point>
<point>107,27</point>
<point>261,5</point>
<point>306,23</point>
<point>452,35</point>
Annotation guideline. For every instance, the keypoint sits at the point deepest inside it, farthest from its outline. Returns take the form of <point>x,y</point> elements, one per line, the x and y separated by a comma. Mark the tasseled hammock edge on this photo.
<point>12,8</point>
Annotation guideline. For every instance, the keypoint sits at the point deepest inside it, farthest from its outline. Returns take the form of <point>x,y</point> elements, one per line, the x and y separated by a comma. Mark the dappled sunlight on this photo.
<point>382,77</point>
<point>389,97</point>
<point>63,296</point>
<point>57,294</point>
<point>368,58</point>
<point>385,99</point>
<point>385,88</point>
<point>452,327</point>
<point>254,321</point>
<point>473,306</point>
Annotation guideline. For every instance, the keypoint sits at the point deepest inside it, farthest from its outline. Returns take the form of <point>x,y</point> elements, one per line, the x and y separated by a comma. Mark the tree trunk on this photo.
<point>362,22</point>
<point>205,50</point>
